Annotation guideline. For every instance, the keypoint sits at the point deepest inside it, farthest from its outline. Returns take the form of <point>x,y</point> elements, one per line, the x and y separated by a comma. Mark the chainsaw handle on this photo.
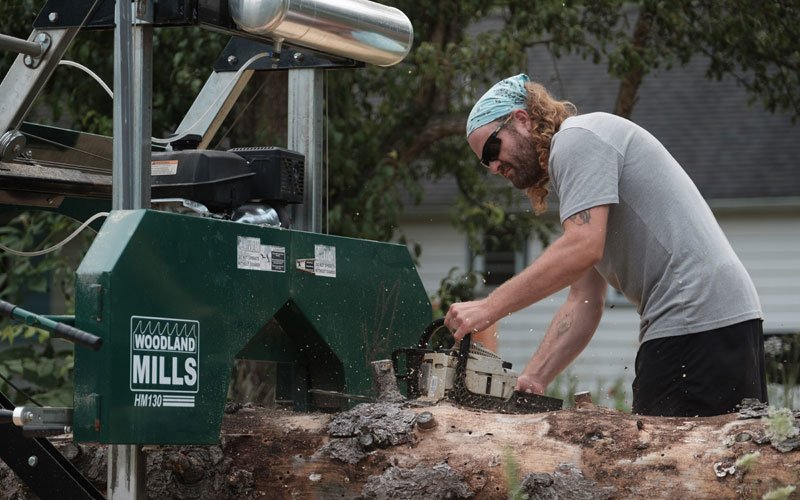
<point>429,331</point>
<point>464,345</point>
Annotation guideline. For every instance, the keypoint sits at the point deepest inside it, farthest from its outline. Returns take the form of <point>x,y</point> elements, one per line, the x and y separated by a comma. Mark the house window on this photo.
<point>499,266</point>
<point>499,261</point>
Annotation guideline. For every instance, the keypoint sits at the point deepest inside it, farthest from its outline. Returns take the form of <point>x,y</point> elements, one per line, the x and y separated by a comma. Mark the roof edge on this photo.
<point>756,205</point>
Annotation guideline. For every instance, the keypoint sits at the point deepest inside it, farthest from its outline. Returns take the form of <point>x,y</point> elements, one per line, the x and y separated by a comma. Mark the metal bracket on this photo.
<point>42,415</point>
<point>61,14</point>
<point>39,421</point>
<point>238,50</point>
<point>34,50</point>
<point>44,41</point>
<point>67,14</point>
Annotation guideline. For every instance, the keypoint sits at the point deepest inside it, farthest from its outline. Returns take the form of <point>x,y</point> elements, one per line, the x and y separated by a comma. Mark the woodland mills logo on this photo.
<point>164,361</point>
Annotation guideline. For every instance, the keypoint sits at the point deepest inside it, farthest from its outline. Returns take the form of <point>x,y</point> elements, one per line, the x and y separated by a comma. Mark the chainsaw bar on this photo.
<point>518,402</point>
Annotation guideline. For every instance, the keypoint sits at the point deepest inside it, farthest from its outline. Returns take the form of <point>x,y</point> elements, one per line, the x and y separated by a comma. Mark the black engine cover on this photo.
<point>217,179</point>
<point>223,180</point>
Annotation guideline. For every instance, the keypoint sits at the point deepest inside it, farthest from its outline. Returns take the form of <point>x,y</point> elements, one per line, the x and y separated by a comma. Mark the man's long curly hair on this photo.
<point>547,114</point>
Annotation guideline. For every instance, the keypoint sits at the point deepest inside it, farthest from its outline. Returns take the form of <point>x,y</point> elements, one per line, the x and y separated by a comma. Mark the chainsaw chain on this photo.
<point>517,403</point>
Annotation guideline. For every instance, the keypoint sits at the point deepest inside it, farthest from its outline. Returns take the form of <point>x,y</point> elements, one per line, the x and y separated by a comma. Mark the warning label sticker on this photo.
<point>305,265</point>
<point>325,261</point>
<point>165,368</point>
<point>251,254</point>
<point>164,167</point>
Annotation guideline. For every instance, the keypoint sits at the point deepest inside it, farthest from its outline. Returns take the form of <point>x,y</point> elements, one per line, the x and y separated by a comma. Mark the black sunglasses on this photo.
<point>491,148</point>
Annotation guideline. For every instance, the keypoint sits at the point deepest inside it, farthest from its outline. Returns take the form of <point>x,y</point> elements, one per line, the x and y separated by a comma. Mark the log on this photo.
<point>391,450</point>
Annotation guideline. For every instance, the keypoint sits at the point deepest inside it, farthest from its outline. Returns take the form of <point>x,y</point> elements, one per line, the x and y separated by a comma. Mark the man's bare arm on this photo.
<point>560,265</point>
<point>570,331</point>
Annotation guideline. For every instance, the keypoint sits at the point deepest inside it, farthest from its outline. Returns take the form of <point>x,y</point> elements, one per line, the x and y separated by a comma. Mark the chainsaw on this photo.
<point>467,374</point>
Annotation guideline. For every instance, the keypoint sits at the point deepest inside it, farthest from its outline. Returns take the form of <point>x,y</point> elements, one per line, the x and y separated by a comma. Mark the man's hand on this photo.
<point>526,383</point>
<point>468,317</point>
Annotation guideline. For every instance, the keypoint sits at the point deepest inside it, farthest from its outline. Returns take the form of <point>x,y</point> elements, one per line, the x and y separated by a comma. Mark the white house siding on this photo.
<point>443,248</point>
<point>769,247</point>
<point>767,243</point>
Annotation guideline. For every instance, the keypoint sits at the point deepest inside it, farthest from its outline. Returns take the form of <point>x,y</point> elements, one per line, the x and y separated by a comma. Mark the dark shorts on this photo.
<point>700,374</point>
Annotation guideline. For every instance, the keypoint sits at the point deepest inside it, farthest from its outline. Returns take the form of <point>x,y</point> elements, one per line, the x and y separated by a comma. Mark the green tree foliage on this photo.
<point>39,364</point>
<point>755,42</point>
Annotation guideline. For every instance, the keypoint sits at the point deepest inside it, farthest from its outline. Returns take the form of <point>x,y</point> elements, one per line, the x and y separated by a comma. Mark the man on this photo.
<point>631,217</point>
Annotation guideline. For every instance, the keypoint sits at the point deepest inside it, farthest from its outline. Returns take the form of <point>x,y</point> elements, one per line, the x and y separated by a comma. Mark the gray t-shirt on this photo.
<point>664,249</point>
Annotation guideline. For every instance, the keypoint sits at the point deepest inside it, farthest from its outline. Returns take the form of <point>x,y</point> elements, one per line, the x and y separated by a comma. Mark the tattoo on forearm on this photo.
<point>581,218</point>
<point>564,325</point>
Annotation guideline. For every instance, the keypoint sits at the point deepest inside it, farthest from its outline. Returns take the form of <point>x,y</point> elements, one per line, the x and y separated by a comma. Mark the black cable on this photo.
<point>20,391</point>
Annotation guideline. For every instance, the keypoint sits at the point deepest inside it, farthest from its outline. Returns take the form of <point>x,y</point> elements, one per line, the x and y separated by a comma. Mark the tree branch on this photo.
<point>628,88</point>
<point>436,130</point>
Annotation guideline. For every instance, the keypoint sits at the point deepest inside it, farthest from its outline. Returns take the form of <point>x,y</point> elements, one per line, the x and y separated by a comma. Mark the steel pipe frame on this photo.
<point>133,92</point>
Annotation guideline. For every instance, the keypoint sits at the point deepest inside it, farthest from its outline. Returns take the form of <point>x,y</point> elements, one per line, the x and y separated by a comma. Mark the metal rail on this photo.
<point>57,329</point>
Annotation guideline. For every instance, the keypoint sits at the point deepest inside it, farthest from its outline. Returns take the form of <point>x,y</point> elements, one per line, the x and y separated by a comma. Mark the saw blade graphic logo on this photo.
<point>165,364</point>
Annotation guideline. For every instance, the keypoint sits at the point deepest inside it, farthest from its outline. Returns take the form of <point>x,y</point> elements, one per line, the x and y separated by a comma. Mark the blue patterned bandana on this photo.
<point>504,97</point>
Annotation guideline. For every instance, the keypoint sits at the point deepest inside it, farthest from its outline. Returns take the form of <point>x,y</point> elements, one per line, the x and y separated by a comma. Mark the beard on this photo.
<point>523,169</point>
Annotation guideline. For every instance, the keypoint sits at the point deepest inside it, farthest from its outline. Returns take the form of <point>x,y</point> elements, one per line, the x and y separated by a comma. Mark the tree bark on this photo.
<point>629,86</point>
<point>394,450</point>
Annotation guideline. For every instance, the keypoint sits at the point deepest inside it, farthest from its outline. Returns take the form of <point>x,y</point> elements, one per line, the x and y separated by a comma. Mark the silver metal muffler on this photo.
<point>358,29</point>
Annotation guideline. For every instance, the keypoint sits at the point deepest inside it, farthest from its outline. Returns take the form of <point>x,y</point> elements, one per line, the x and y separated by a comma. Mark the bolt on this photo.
<point>41,37</point>
<point>298,57</point>
<point>232,60</point>
<point>33,460</point>
<point>426,420</point>
<point>28,60</point>
<point>52,17</point>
